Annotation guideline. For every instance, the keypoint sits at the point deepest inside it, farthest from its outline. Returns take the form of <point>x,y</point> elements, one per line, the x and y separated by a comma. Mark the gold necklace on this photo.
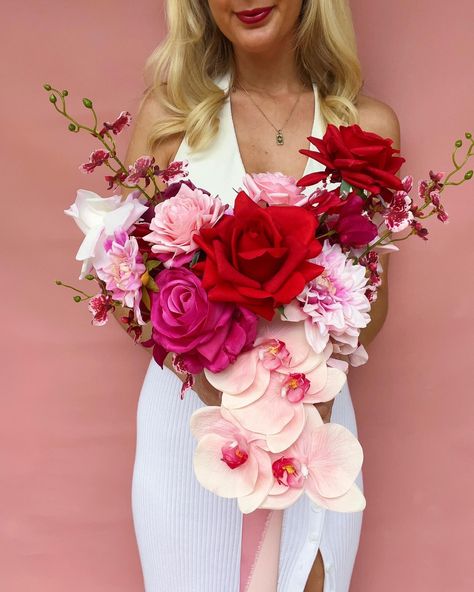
<point>280,140</point>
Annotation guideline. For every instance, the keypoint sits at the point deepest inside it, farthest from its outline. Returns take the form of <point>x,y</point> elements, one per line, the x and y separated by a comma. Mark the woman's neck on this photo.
<point>273,73</point>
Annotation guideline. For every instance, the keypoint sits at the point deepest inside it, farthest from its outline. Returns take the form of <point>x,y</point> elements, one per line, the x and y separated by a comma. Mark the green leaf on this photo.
<point>195,258</point>
<point>152,264</point>
<point>281,310</point>
<point>345,188</point>
<point>146,298</point>
<point>151,285</point>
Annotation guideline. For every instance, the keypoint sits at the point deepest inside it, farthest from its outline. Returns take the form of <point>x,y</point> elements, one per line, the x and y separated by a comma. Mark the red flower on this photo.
<point>259,256</point>
<point>362,159</point>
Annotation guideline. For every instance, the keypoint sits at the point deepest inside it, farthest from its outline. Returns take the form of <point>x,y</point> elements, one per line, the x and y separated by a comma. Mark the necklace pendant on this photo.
<point>279,138</point>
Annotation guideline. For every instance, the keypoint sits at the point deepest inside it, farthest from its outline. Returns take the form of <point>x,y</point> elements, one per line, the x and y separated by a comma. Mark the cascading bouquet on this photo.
<point>268,298</point>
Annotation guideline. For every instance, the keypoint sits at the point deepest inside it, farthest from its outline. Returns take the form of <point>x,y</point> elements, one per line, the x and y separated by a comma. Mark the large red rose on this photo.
<point>362,159</point>
<point>258,257</point>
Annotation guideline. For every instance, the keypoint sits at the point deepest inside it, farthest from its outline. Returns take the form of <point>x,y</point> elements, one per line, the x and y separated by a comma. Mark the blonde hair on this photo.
<point>182,69</point>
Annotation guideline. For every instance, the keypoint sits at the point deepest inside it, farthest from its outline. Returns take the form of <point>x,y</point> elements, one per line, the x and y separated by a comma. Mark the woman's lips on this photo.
<point>256,15</point>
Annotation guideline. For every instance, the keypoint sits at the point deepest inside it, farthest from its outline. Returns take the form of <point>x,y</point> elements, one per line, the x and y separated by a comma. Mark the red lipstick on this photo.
<point>256,15</point>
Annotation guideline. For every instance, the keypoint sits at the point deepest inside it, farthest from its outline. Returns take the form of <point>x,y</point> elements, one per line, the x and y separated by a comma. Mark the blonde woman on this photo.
<point>238,86</point>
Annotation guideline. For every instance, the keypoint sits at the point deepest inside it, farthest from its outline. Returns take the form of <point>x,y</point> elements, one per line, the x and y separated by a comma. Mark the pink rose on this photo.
<point>273,189</point>
<point>205,334</point>
<point>179,218</point>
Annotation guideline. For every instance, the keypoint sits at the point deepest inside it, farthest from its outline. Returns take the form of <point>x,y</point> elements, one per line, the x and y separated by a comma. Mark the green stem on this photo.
<point>60,283</point>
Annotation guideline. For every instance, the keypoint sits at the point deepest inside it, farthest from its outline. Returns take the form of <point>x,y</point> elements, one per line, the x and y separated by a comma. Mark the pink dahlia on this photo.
<point>123,270</point>
<point>178,219</point>
<point>273,189</point>
<point>334,304</point>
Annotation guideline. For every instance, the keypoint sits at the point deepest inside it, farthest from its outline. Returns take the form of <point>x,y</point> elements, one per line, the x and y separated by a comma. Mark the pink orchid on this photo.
<point>140,170</point>
<point>97,158</point>
<point>117,126</point>
<point>266,388</point>
<point>323,464</point>
<point>176,171</point>
<point>99,306</point>
<point>398,214</point>
<point>230,460</point>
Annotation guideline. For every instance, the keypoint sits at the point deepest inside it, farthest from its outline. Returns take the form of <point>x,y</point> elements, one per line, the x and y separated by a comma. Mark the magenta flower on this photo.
<point>230,460</point>
<point>123,270</point>
<point>99,306</point>
<point>117,126</point>
<point>97,158</point>
<point>323,463</point>
<point>398,214</point>
<point>206,334</point>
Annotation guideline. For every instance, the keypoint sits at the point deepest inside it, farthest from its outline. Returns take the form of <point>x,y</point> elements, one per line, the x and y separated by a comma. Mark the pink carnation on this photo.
<point>123,270</point>
<point>179,218</point>
<point>334,304</point>
<point>273,189</point>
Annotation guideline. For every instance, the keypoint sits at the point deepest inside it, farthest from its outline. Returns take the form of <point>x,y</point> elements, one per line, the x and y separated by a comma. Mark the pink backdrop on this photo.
<point>70,391</point>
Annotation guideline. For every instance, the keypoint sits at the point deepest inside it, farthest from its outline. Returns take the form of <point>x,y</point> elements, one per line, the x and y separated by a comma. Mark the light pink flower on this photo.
<point>229,460</point>
<point>273,189</point>
<point>266,388</point>
<point>180,217</point>
<point>123,271</point>
<point>334,305</point>
<point>323,463</point>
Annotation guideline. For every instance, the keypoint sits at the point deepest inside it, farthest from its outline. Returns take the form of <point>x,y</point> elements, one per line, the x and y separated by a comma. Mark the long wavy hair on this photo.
<point>181,70</point>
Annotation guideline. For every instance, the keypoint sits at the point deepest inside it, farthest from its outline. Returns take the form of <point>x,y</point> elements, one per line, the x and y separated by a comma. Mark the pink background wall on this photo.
<point>70,391</point>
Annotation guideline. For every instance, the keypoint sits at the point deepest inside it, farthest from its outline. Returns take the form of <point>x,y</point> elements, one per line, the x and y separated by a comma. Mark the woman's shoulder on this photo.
<point>150,111</point>
<point>378,117</point>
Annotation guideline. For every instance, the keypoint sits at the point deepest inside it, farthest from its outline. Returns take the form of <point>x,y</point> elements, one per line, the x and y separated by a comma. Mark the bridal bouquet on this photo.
<point>268,298</point>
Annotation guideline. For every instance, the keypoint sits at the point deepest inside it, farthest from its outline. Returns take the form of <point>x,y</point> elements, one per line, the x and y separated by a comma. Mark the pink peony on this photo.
<point>334,305</point>
<point>206,334</point>
<point>267,388</point>
<point>323,463</point>
<point>273,189</point>
<point>178,219</point>
<point>123,270</point>
<point>230,460</point>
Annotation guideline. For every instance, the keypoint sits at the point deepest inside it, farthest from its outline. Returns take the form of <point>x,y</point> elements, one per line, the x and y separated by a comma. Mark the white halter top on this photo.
<point>219,168</point>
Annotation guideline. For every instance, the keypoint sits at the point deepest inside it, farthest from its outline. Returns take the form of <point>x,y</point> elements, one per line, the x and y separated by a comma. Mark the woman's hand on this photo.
<point>205,391</point>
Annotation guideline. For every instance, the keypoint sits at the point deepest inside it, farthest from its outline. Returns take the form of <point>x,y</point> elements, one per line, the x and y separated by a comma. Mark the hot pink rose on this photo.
<point>206,334</point>
<point>180,217</point>
<point>273,189</point>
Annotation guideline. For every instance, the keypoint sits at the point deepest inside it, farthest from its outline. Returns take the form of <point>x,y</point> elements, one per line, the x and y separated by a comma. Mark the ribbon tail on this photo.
<point>260,550</point>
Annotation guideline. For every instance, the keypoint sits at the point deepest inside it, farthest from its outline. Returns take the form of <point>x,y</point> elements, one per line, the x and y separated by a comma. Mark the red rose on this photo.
<point>362,159</point>
<point>259,256</point>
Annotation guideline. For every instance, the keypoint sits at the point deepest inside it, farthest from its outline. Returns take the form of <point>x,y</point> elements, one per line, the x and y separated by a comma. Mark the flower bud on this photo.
<point>47,87</point>
<point>87,103</point>
<point>76,298</point>
<point>458,143</point>
<point>72,127</point>
<point>468,175</point>
<point>52,99</point>
<point>59,283</point>
<point>89,277</point>
<point>468,135</point>
<point>65,93</point>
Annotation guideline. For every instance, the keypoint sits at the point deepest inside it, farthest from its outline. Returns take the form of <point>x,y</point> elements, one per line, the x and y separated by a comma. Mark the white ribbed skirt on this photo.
<point>188,538</point>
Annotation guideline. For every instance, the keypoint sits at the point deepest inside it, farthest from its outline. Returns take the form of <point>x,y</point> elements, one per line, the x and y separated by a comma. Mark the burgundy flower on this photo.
<point>117,126</point>
<point>399,214</point>
<point>140,170</point>
<point>97,158</point>
<point>115,180</point>
<point>354,228</point>
<point>99,306</point>
<point>362,159</point>
<point>175,171</point>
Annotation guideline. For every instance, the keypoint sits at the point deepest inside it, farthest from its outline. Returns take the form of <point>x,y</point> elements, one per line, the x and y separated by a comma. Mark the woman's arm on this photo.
<point>150,112</point>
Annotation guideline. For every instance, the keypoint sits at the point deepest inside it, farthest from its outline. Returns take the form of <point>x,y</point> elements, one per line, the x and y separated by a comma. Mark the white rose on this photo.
<point>98,217</point>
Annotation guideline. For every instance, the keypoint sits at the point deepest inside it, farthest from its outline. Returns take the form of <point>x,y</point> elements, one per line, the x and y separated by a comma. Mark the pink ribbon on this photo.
<point>260,550</point>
